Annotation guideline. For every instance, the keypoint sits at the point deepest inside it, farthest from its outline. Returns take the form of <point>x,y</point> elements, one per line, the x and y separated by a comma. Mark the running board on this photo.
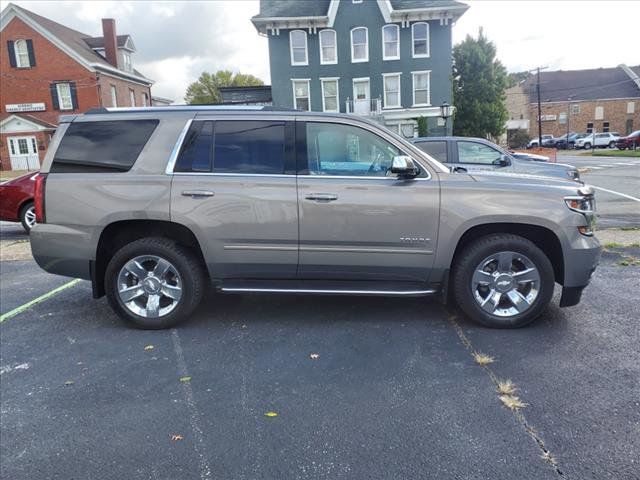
<point>329,288</point>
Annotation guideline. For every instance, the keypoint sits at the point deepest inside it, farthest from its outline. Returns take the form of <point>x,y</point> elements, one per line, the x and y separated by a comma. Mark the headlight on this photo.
<point>586,205</point>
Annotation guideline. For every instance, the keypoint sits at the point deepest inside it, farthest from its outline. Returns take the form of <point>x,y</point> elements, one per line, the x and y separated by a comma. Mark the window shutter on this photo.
<point>74,95</point>
<point>32,56</point>
<point>12,54</point>
<point>54,96</point>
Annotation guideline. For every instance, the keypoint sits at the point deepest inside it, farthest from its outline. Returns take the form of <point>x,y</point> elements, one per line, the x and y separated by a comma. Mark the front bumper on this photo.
<point>580,262</point>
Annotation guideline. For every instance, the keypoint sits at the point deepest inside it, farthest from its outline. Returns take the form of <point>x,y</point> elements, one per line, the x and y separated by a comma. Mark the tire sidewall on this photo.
<point>23,213</point>
<point>491,245</point>
<point>168,250</point>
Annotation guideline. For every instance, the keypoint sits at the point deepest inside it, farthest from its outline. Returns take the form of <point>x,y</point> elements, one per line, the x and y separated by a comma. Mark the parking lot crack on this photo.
<point>545,453</point>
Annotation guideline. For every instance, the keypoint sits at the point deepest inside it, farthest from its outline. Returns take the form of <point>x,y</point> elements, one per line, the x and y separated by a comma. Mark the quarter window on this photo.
<point>330,94</point>
<point>334,149</point>
<point>472,152</point>
<point>301,95</point>
<point>359,45</point>
<point>420,39</point>
<point>421,88</point>
<point>195,154</point>
<point>298,43</point>
<point>65,101</point>
<point>390,42</point>
<point>22,54</point>
<point>391,90</point>
<point>328,49</point>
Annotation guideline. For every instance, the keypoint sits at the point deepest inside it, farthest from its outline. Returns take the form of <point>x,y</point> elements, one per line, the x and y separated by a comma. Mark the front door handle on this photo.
<point>322,197</point>
<point>197,193</point>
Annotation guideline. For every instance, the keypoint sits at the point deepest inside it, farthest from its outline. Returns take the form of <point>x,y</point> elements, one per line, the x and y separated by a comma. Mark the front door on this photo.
<point>357,220</point>
<point>23,153</point>
<point>361,97</point>
<point>234,193</point>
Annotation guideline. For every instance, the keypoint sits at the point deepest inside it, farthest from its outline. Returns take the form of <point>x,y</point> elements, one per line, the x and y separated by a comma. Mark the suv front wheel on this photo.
<point>503,281</point>
<point>153,283</point>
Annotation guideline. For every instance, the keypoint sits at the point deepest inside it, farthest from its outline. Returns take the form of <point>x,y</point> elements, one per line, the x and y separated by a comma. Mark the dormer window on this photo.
<point>126,61</point>
<point>298,44</point>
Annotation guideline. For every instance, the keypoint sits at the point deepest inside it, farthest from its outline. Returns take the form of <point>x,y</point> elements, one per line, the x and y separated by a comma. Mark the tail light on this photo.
<point>38,200</point>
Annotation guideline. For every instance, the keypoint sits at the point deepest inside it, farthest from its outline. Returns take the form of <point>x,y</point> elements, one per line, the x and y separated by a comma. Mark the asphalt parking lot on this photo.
<point>361,387</point>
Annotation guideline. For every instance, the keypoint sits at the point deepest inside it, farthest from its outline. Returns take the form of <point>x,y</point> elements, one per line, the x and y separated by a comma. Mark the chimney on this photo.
<point>110,41</point>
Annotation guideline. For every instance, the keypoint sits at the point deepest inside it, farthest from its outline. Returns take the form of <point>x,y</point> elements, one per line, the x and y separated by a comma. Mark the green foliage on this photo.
<point>517,138</point>
<point>423,130</point>
<point>479,83</point>
<point>205,90</point>
<point>515,78</point>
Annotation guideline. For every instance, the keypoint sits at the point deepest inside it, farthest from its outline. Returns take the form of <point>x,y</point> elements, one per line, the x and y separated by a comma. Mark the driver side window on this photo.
<point>472,152</point>
<point>337,149</point>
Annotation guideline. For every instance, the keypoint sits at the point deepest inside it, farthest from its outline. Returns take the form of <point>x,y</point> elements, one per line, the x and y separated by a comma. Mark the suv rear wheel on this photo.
<point>153,283</point>
<point>503,281</point>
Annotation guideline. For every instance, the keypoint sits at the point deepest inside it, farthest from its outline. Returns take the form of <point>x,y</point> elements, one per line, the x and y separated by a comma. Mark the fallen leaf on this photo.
<point>271,414</point>
<point>148,347</point>
<point>185,379</point>
<point>314,356</point>
<point>69,382</point>
<point>176,437</point>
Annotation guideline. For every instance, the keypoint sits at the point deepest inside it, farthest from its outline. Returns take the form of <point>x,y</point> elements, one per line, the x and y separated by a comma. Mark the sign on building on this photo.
<point>24,107</point>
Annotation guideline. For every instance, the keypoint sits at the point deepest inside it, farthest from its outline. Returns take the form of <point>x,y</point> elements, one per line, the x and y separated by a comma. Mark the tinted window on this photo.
<point>249,147</point>
<point>437,150</point>
<point>102,146</point>
<point>334,149</point>
<point>472,152</point>
<point>195,155</point>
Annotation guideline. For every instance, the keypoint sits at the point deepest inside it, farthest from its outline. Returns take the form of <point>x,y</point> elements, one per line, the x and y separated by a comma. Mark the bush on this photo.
<point>423,129</point>
<point>517,138</point>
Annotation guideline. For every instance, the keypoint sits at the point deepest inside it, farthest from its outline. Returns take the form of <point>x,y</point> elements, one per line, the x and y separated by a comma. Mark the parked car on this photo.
<point>16,200</point>
<point>477,155</point>
<point>547,141</point>
<point>602,140</point>
<point>562,144</point>
<point>532,157</point>
<point>631,141</point>
<point>251,200</point>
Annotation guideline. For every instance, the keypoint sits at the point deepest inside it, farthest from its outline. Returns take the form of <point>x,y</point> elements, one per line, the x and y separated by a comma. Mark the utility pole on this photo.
<point>539,111</point>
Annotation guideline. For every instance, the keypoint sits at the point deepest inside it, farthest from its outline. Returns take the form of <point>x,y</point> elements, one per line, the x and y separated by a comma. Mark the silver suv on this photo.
<point>155,205</point>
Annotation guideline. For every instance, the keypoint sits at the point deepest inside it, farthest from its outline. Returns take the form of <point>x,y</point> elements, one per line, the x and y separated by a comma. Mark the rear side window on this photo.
<point>109,146</point>
<point>234,146</point>
<point>437,150</point>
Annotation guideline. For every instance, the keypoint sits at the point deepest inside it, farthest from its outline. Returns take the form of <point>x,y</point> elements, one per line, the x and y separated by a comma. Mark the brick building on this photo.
<point>47,69</point>
<point>603,99</point>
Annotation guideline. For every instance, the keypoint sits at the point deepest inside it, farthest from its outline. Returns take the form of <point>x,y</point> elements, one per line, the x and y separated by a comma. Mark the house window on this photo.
<point>65,102</point>
<point>599,114</point>
<point>126,56</point>
<point>356,1</point>
<point>391,83</point>
<point>390,42</point>
<point>114,96</point>
<point>605,127</point>
<point>22,54</point>
<point>420,39</point>
<point>421,88</point>
<point>298,43</point>
<point>575,109</point>
<point>328,50</point>
<point>359,45</point>
<point>145,99</point>
<point>590,127</point>
<point>301,95</point>
<point>562,118</point>
<point>132,97</point>
<point>330,100</point>
<point>631,107</point>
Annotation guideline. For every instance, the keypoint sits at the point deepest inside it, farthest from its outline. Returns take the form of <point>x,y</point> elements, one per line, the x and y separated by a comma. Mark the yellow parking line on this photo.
<point>41,298</point>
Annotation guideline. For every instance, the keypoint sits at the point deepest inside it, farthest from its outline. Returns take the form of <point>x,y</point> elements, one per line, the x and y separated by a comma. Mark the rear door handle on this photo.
<point>197,193</point>
<point>322,197</point>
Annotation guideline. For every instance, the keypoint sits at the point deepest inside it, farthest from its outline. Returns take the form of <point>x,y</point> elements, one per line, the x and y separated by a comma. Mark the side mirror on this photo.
<point>404,166</point>
<point>503,161</point>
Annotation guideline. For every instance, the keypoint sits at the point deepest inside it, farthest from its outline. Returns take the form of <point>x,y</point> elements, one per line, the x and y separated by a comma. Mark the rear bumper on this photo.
<point>62,250</point>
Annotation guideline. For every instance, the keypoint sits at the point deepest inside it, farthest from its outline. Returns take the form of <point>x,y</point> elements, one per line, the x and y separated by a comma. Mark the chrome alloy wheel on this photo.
<point>149,286</point>
<point>30,217</point>
<point>505,284</point>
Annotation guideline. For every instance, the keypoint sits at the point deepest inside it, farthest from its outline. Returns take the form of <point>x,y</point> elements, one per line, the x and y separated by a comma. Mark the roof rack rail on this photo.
<point>193,108</point>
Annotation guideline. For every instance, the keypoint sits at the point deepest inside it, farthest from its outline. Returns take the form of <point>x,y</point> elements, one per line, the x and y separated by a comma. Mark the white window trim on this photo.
<point>397,57</point>
<point>306,48</point>
<point>366,36</point>
<point>413,88</point>
<point>17,55</point>
<point>335,46</point>
<point>413,43</point>
<point>356,1</point>
<point>145,99</point>
<point>114,95</point>
<point>331,79</point>
<point>132,97</point>
<point>293,89</point>
<point>384,90</point>
<point>60,103</point>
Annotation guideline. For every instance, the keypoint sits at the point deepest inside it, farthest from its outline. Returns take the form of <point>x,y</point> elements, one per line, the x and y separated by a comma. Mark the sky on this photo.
<point>176,41</point>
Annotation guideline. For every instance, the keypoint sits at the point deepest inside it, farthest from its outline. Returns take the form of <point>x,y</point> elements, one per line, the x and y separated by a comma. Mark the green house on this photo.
<point>389,60</point>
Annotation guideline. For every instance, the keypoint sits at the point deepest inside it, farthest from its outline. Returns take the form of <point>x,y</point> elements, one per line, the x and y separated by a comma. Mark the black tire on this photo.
<point>587,146</point>
<point>26,209</point>
<point>612,144</point>
<point>622,147</point>
<point>187,265</point>
<point>473,255</point>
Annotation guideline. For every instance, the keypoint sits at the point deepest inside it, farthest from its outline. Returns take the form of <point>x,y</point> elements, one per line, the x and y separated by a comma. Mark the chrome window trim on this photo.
<point>363,177</point>
<point>232,174</point>
<point>176,148</point>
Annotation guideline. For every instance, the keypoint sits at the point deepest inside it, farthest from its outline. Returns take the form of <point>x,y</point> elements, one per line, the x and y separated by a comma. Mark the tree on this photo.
<point>206,89</point>
<point>479,83</point>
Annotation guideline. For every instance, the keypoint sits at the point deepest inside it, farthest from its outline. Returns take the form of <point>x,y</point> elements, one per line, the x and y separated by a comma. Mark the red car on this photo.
<point>631,141</point>
<point>16,200</point>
